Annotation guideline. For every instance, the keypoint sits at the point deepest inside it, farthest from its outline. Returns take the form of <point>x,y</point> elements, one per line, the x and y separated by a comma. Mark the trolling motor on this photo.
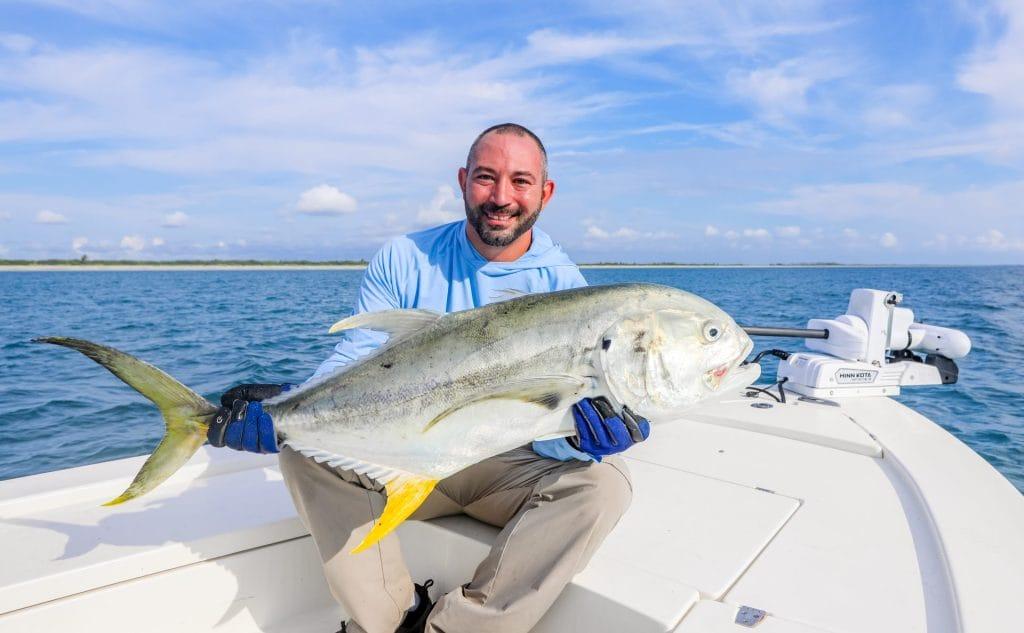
<point>873,350</point>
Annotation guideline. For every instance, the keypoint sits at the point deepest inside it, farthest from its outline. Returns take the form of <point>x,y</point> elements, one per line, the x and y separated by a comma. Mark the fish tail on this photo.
<point>186,413</point>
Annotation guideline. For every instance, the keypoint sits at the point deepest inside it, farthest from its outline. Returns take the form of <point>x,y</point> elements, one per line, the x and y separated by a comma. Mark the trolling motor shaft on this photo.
<point>784,332</point>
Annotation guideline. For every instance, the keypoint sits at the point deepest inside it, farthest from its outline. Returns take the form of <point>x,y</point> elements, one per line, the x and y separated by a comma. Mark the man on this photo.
<point>555,500</point>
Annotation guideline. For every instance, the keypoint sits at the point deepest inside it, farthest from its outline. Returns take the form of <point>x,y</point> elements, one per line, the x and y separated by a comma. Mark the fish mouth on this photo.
<point>713,377</point>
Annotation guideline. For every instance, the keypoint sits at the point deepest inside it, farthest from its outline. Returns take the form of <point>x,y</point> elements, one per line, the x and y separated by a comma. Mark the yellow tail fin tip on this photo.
<point>404,496</point>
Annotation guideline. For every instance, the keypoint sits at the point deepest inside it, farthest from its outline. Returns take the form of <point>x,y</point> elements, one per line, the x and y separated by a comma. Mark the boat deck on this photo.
<point>852,517</point>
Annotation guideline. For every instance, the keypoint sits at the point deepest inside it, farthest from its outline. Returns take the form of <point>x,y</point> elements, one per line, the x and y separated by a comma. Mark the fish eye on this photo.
<point>712,331</point>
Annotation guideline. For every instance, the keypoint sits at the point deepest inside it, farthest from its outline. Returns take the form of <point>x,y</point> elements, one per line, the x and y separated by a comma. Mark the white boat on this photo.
<point>851,514</point>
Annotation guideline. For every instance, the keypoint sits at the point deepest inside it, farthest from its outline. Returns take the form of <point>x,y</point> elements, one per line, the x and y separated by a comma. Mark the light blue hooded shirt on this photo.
<point>439,269</point>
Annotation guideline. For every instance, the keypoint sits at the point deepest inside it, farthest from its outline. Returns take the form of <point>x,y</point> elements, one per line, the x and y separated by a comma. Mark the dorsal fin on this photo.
<point>394,323</point>
<point>505,294</point>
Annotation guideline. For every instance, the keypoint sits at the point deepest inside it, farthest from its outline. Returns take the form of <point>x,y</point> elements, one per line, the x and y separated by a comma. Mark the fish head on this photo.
<point>680,351</point>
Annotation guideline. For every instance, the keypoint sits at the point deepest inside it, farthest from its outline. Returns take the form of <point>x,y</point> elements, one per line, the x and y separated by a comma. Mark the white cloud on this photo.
<point>133,243</point>
<point>896,106</point>
<point>16,42</point>
<point>731,235</point>
<point>626,234</point>
<point>787,231</point>
<point>996,67</point>
<point>174,220</point>
<point>309,109</point>
<point>888,240</point>
<point>845,200</point>
<point>157,241</point>
<point>956,210</point>
<point>781,92</point>
<point>49,217</point>
<point>444,207</point>
<point>851,234</point>
<point>325,200</point>
<point>757,234</point>
<point>554,46</point>
<point>711,230</point>
<point>79,243</point>
<point>995,240</point>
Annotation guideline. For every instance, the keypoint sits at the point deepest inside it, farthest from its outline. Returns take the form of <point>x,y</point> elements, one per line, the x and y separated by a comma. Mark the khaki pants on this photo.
<point>553,514</point>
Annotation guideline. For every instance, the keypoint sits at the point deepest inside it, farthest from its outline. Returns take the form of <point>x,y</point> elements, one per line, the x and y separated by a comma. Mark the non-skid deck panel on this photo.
<point>56,544</point>
<point>822,423</point>
<point>715,617</point>
<point>698,531</point>
<point>280,588</point>
<point>265,589</point>
<point>848,545</point>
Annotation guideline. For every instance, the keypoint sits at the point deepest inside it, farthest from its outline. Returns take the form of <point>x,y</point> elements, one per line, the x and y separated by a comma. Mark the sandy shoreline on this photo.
<point>184,267</point>
<point>222,267</point>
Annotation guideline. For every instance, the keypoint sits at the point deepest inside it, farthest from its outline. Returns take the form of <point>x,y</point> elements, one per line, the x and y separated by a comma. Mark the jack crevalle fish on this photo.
<point>449,390</point>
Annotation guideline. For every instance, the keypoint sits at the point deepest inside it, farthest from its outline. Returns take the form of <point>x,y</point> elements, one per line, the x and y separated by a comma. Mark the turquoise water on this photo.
<point>214,329</point>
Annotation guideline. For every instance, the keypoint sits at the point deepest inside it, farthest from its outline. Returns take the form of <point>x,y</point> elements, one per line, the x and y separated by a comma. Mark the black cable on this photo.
<point>777,353</point>
<point>771,395</point>
<point>781,355</point>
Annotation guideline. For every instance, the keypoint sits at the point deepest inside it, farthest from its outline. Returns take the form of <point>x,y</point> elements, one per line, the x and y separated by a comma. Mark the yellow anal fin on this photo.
<point>405,494</point>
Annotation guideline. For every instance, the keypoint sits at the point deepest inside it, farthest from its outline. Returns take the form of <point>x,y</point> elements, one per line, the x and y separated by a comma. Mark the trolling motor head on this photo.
<point>874,350</point>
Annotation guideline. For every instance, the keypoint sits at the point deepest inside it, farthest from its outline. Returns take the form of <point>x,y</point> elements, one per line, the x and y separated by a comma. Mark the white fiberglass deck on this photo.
<point>859,518</point>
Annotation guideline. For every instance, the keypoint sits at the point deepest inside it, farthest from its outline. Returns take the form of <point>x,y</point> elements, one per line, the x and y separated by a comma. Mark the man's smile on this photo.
<point>500,218</point>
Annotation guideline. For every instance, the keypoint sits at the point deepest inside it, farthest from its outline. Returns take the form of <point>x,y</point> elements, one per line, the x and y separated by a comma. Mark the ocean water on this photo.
<point>214,329</point>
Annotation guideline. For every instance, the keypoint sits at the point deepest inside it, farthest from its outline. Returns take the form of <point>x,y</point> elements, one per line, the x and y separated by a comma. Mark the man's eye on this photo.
<point>484,177</point>
<point>522,182</point>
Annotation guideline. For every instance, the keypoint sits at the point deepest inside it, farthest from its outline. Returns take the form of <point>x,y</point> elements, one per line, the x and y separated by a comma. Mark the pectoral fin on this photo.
<point>405,494</point>
<point>547,391</point>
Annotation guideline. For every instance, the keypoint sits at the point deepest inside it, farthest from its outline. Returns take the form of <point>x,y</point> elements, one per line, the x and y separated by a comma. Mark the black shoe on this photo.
<point>416,621</point>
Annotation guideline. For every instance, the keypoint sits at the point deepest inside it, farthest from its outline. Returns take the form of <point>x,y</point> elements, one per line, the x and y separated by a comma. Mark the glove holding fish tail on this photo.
<point>241,423</point>
<point>600,431</point>
<point>253,392</point>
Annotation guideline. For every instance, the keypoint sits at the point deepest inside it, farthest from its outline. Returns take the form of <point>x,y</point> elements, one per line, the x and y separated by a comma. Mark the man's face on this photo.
<point>504,188</point>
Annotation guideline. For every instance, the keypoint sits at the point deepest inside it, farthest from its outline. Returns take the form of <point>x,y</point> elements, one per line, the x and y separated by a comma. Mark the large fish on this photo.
<point>449,390</point>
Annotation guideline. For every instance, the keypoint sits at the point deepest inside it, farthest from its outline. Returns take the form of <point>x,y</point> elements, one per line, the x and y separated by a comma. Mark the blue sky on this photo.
<point>748,132</point>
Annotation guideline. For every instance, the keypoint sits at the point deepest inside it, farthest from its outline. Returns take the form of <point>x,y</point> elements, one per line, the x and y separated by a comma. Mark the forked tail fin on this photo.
<point>185,412</point>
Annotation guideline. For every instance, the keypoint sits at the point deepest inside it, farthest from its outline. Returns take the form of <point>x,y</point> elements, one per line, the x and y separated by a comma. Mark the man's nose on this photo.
<point>501,193</point>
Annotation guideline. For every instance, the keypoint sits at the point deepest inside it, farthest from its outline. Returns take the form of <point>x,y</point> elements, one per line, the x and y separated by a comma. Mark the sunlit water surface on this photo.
<point>213,329</point>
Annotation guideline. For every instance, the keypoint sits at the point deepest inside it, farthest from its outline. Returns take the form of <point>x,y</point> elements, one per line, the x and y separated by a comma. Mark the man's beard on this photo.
<point>522,222</point>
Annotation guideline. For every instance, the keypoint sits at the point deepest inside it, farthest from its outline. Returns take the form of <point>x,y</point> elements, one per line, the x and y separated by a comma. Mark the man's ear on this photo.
<point>548,190</point>
<point>462,181</point>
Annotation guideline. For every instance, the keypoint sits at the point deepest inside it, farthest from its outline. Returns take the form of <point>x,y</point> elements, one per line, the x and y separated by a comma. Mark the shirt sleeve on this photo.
<point>560,449</point>
<point>572,279</point>
<point>378,291</point>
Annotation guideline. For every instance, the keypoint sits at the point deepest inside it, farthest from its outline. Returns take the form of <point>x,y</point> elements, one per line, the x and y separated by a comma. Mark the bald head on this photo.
<point>515,130</point>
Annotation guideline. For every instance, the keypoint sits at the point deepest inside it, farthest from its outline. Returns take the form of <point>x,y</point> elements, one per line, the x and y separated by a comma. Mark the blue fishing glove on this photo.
<point>241,423</point>
<point>600,431</point>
